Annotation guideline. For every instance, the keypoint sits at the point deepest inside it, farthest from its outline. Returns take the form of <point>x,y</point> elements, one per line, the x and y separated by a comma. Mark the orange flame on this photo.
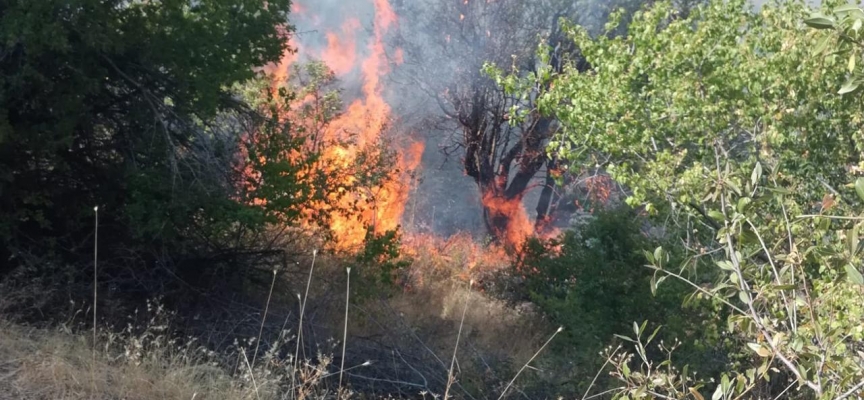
<point>361,128</point>
<point>515,226</point>
<point>339,55</point>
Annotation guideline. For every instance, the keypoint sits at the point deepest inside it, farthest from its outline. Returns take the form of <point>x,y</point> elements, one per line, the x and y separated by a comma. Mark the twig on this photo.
<point>504,392</point>
<point>450,377</point>
<point>345,332</point>
<point>264,318</point>
<point>95,273</point>
<point>852,391</point>
<point>599,371</point>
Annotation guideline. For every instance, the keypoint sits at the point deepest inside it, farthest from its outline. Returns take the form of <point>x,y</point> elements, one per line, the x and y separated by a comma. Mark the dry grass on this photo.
<point>458,257</point>
<point>40,364</point>
<point>436,309</point>
<point>420,323</point>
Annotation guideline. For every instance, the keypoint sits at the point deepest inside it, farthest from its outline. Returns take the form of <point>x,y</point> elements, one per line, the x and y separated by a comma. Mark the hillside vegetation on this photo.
<point>183,215</point>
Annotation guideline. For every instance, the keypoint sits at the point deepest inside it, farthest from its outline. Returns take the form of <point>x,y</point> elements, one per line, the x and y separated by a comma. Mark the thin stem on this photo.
<point>251,374</point>
<point>345,332</point>
<point>303,310</point>
<point>450,377</point>
<point>264,318</point>
<point>599,371</point>
<point>95,275</point>
<point>529,362</point>
<point>699,288</point>
<point>852,391</point>
<point>830,217</point>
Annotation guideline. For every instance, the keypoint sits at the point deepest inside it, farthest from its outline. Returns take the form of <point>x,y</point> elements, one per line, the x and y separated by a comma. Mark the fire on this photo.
<point>459,256</point>
<point>340,56</point>
<point>360,129</point>
<point>508,218</point>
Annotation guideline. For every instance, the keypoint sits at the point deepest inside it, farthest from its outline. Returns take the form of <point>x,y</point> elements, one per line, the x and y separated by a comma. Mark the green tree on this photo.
<point>592,281</point>
<point>726,125</point>
<point>128,105</point>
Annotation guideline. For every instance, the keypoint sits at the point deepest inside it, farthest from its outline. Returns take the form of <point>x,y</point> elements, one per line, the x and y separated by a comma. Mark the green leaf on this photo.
<point>854,275</point>
<point>653,334</point>
<point>743,203</point>
<point>850,86</point>
<point>716,215</point>
<point>756,174</point>
<point>819,22</point>
<point>718,394</point>
<point>742,295</point>
<point>725,265</point>
<point>759,349</point>
<point>625,338</point>
<point>734,186</point>
<point>846,8</point>
<point>780,190</point>
<point>822,45</point>
<point>859,188</point>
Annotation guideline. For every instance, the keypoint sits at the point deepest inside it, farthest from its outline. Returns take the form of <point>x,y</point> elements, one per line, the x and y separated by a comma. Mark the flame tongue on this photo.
<point>361,128</point>
<point>508,218</point>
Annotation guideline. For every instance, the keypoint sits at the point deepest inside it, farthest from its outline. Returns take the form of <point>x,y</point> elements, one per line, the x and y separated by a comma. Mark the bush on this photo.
<point>593,282</point>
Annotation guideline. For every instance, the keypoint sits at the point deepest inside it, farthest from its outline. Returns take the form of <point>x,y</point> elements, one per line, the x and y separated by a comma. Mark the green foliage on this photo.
<point>845,21</point>
<point>663,99</point>
<point>128,106</point>
<point>720,123</point>
<point>380,263</point>
<point>594,283</point>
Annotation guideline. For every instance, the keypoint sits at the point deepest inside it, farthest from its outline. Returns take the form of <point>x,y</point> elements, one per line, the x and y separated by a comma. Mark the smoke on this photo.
<point>434,51</point>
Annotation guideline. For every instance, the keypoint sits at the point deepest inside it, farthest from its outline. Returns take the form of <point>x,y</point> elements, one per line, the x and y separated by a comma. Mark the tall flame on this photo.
<point>341,52</point>
<point>363,125</point>
<point>509,219</point>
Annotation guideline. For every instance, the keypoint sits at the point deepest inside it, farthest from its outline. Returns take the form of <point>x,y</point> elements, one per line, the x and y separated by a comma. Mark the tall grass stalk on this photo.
<point>264,318</point>
<point>95,274</point>
<point>345,332</point>
<point>504,392</point>
<point>450,377</point>
<point>599,371</point>
<point>302,311</point>
<point>251,374</point>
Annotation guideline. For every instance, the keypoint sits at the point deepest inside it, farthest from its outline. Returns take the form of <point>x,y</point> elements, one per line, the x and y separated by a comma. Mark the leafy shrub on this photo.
<point>593,282</point>
<point>380,263</point>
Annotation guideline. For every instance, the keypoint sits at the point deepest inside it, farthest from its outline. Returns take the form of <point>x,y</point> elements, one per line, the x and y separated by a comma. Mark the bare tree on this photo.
<point>445,45</point>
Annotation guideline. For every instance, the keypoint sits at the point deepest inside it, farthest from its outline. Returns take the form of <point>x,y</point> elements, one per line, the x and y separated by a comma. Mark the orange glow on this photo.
<point>298,9</point>
<point>399,56</point>
<point>518,226</point>
<point>437,256</point>
<point>341,52</point>
<point>360,131</point>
